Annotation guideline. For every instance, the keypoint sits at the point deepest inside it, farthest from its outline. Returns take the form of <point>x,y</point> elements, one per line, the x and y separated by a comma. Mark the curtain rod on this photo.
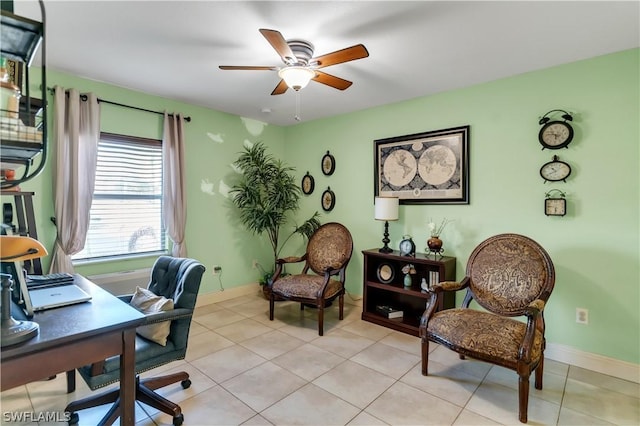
<point>187,119</point>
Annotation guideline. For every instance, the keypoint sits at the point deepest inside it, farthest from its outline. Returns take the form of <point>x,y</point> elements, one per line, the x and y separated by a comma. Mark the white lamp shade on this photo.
<point>386,208</point>
<point>296,77</point>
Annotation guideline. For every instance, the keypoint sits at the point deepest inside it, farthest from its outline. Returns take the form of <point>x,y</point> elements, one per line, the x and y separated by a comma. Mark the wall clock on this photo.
<point>555,170</point>
<point>328,200</point>
<point>555,205</point>
<point>555,134</point>
<point>308,184</point>
<point>328,164</point>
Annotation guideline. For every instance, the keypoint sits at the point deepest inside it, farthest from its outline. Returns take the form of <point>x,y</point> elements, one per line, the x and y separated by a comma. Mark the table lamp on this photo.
<point>14,248</point>
<point>386,208</point>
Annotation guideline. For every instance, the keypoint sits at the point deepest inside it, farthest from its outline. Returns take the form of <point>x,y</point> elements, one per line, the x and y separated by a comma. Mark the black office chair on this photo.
<point>174,278</point>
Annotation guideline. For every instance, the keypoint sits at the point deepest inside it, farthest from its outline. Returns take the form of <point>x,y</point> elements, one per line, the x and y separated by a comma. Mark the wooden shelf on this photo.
<point>411,300</point>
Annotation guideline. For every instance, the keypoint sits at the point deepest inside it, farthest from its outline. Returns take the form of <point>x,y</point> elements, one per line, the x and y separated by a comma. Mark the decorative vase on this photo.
<point>407,280</point>
<point>434,243</point>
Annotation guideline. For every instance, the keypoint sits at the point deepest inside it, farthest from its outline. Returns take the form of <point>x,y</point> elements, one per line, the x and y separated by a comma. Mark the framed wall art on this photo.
<point>424,168</point>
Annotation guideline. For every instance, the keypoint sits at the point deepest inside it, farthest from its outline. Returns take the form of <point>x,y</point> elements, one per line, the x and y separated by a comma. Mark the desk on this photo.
<point>77,335</point>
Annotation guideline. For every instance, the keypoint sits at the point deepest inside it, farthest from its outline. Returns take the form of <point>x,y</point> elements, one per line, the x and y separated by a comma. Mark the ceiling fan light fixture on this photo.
<point>296,77</point>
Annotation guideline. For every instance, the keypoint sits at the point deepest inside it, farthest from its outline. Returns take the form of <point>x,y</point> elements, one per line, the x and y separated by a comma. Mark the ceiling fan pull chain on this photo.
<point>297,116</point>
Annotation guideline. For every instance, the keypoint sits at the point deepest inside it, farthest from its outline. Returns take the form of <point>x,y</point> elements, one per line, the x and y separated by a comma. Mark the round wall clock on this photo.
<point>308,184</point>
<point>385,273</point>
<point>328,200</point>
<point>328,164</point>
<point>555,134</point>
<point>555,170</point>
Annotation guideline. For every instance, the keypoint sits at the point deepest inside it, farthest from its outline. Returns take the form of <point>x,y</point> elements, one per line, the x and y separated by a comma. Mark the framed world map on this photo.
<point>424,168</point>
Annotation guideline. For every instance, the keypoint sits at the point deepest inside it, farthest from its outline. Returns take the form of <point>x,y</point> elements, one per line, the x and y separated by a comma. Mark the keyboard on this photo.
<point>59,278</point>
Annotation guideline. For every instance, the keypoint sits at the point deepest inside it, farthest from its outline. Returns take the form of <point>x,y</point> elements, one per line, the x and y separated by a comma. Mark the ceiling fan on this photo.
<point>300,65</point>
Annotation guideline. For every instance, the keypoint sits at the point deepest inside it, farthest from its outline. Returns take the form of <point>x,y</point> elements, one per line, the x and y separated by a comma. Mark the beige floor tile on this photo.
<point>205,344</point>
<point>569,417</point>
<point>500,403</point>
<point>308,361</point>
<point>227,363</point>
<point>393,407</point>
<point>251,308</point>
<point>272,344</point>
<point>195,329</point>
<point>303,329</point>
<point>367,329</point>
<point>603,381</point>
<point>242,330</point>
<point>451,359</point>
<point>406,342</point>
<point>218,319</point>
<point>263,385</point>
<point>467,418</point>
<point>342,342</point>
<point>214,407</point>
<point>366,419</point>
<point>310,405</point>
<point>386,359</point>
<point>354,383</point>
<point>450,384</point>
<point>601,403</point>
<point>257,420</point>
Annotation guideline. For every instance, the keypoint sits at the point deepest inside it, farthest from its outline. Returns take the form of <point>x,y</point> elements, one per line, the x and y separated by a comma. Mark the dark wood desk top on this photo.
<point>59,326</point>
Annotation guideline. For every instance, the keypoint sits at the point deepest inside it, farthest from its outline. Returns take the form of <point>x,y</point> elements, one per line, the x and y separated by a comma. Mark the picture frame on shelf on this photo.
<point>424,168</point>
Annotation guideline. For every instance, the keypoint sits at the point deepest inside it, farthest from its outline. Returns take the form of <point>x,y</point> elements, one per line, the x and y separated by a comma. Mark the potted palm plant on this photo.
<point>266,196</point>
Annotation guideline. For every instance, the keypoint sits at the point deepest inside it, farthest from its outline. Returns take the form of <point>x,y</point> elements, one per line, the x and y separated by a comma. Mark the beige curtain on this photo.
<point>76,124</point>
<point>174,208</point>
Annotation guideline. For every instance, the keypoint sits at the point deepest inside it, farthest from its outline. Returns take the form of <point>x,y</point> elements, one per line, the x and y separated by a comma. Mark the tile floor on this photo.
<point>247,370</point>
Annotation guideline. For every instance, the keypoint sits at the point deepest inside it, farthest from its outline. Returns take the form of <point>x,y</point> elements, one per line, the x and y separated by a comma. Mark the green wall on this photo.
<point>595,247</point>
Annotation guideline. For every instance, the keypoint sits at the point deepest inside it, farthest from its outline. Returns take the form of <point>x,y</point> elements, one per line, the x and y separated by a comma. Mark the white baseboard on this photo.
<point>594,362</point>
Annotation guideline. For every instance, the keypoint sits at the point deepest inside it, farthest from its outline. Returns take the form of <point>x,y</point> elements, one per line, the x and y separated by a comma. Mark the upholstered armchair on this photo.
<point>169,302</point>
<point>508,275</point>
<point>323,276</point>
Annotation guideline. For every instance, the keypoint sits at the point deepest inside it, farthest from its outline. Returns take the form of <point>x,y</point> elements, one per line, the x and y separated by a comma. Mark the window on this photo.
<point>126,212</point>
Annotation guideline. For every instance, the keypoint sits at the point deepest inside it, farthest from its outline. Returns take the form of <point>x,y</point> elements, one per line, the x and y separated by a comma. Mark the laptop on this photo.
<point>57,296</point>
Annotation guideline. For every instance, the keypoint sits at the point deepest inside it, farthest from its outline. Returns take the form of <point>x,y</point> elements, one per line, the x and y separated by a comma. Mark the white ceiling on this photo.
<point>173,48</point>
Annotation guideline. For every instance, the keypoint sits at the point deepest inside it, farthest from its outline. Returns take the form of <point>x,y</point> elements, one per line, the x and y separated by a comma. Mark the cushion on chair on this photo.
<point>148,303</point>
<point>483,335</point>
<point>305,286</point>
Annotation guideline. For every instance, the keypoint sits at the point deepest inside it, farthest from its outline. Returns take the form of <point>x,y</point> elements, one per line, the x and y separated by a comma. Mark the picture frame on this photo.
<point>424,168</point>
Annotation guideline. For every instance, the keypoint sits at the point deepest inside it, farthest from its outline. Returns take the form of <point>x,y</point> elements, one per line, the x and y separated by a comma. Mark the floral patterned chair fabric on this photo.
<point>508,275</point>
<point>328,253</point>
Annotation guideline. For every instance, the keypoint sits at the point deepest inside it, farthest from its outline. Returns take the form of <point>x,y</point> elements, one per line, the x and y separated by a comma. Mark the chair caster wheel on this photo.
<point>185,383</point>
<point>178,420</point>
<point>74,418</point>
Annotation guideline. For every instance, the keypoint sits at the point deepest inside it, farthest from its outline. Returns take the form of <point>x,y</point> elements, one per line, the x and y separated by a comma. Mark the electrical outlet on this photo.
<point>217,270</point>
<point>254,264</point>
<point>582,316</point>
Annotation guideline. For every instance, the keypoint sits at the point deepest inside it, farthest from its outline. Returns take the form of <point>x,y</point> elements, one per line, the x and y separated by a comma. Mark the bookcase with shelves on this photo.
<point>384,287</point>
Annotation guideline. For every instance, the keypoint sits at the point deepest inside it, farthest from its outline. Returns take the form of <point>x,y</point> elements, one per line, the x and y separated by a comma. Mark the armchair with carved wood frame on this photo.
<point>328,253</point>
<point>509,275</point>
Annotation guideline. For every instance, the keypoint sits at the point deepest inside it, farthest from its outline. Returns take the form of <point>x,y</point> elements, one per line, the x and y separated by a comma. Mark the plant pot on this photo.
<point>434,243</point>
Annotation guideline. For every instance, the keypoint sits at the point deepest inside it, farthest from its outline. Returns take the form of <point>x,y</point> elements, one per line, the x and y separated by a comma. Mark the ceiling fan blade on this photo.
<point>278,42</point>
<point>280,88</point>
<point>236,67</point>
<point>340,56</point>
<point>332,80</point>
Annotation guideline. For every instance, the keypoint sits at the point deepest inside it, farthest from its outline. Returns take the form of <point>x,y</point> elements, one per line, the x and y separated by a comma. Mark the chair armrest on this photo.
<point>450,285</point>
<point>126,298</point>
<point>167,315</point>
<point>282,261</point>
<point>433,301</point>
<point>533,312</point>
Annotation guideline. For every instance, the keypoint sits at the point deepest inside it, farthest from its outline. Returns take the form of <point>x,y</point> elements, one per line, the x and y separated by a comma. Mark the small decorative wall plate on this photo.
<point>385,273</point>
<point>328,200</point>
<point>308,184</point>
<point>328,164</point>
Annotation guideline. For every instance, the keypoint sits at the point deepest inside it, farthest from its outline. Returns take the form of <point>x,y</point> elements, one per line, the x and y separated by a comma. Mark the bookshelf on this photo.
<point>384,285</point>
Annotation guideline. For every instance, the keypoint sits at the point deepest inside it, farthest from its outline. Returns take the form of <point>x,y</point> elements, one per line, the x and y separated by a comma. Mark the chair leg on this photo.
<point>539,371</point>
<point>93,401</point>
<point>149,397</point>
<point>71,381</point>
<point>271,306</point>
<point>321,319</point>
<point>523,397</point>
<point>341,307</point>
<point>425,357</point>
<point>154,383</point>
